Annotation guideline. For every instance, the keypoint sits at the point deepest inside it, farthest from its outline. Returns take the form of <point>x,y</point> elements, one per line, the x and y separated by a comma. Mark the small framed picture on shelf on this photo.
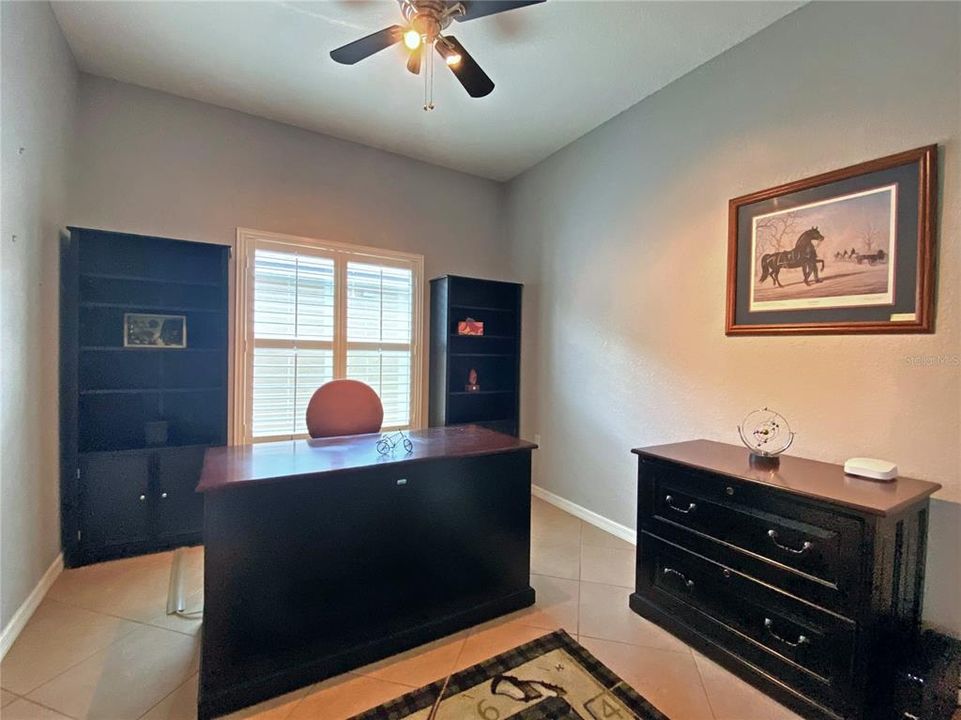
<point>470,326</point>
<point>142,330</point>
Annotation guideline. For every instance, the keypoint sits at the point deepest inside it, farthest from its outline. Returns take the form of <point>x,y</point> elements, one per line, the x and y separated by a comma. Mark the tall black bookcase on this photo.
<point>495,355</point>
<point>135,421</point>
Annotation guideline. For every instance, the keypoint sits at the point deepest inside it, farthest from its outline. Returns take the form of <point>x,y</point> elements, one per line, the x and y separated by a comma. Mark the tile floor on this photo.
<point>100,645</point>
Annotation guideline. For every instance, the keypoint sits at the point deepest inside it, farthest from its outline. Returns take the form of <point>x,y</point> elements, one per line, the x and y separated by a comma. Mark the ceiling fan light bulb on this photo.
<point>411,39</point>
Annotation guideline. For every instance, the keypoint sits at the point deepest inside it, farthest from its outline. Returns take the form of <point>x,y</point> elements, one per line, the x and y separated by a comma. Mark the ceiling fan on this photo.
<point>425,21</point>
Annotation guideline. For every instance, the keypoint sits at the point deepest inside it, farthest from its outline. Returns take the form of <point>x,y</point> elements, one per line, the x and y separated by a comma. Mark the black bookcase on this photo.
<point>495,355</point>
<point>135,421</point>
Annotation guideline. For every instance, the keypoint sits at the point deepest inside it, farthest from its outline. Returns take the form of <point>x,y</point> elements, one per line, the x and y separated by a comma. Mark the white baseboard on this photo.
<point>588,516</point>
<point>19,620</point>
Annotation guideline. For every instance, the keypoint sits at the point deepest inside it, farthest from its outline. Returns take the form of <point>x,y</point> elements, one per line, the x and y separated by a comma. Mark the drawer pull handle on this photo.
<point>163,495</point>
<point>801,639</point>
<point>807,545</point>
<point>142,498</point>
<point>687,583</point>
<point>669,499</point>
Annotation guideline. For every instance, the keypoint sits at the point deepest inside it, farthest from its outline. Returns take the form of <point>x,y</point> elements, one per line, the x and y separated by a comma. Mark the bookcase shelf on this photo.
<point>495,355</point>
<point>135,421</point>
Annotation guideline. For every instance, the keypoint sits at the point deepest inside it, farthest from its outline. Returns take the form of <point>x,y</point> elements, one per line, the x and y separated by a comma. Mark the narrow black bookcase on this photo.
<point>495,355</point>
<point>135,421</point>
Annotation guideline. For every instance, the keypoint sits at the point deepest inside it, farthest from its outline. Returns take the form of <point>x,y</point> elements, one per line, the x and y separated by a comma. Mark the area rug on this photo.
<point>551,678</point>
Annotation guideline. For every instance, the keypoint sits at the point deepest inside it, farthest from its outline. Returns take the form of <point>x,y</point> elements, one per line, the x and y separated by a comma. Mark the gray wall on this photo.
<point>149,162</point>
<point>621,239</point>
<point>38,97</point>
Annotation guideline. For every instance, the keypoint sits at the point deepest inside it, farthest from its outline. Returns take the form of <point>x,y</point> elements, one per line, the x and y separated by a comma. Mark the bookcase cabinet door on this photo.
<point>180,508</point>
<point>115,498</point>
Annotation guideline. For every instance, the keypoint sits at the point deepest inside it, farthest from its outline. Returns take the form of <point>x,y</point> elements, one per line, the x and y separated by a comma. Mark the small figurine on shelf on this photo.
<point>472,385</point>
<point>470,326</point>
<point>389,441</point>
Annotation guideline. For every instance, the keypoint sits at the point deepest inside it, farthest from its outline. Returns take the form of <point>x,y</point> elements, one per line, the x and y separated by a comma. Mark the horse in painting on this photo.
<point>804,256</point>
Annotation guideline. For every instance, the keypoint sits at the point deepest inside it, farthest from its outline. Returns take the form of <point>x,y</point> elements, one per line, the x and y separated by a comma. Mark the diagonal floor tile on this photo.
<point>420,665</point>
<point>591,535</point>
<point>124,680</point>
<point>57,637</point>
<point>181,704</point>
<point>189,625</point>
<point>552,526</point>
<point>605,614</point>
<point>493,638</point>
<point>344,696</point>
<point>669,680</point>
<point>608,565</point>
<point>22,709</point>
<point>133,588</point>
<point>733,699</point>
<point>562,561</point>
<point>555,605</point>
<point>6,697</point>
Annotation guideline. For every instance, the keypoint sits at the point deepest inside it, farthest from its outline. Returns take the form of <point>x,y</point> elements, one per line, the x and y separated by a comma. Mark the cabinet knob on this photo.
<point>142,498</point>
<point>728,490</point>
<point>727,573</point>
<point>163,495</point>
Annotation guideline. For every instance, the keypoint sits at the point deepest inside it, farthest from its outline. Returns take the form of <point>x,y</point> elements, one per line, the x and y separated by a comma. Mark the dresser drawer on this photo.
<point>785,634</point>
<point>757,522</point>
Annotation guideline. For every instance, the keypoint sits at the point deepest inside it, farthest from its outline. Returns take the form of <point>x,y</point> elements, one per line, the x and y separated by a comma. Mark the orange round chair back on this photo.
<point>344,407</point>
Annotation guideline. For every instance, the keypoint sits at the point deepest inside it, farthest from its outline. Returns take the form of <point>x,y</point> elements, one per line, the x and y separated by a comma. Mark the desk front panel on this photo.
<point>318,574</point>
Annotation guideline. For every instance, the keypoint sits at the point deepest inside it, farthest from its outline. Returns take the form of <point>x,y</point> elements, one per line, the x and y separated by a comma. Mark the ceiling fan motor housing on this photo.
<point>428,17</point>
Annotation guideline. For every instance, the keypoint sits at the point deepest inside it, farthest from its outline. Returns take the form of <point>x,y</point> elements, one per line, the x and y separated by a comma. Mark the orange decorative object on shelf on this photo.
<point>470,326</point>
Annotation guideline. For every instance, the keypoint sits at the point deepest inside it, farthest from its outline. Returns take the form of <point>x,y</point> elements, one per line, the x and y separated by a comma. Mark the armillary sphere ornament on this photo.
<point>766,434</point>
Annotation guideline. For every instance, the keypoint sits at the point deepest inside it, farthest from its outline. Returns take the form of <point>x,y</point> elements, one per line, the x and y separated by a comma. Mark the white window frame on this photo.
<point>248,241</point>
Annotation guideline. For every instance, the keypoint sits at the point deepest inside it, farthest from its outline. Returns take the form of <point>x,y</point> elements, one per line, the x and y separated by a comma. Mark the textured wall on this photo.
<point>38,98</point>
<point>621,239</point>
<point>152,163</point>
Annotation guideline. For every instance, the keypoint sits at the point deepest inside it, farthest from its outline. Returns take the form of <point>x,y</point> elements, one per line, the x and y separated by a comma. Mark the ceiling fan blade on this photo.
<point>365,47</point>
<point>413,62</point>
<point>474,80</point>
<point>474,9</point>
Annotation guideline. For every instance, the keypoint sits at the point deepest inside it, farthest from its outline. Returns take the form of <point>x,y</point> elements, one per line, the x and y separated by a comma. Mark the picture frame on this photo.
<point>847,251</point>
<point>146,330</point>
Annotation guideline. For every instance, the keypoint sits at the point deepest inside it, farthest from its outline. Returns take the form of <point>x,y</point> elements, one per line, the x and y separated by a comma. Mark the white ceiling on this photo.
<point>561,68</point>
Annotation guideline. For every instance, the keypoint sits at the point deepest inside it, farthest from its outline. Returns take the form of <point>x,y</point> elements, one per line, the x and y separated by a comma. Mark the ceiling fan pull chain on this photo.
<point>429,79</point>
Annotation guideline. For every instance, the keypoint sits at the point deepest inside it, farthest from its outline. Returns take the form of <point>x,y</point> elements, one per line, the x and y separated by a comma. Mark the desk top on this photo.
<point>810,478</point>
<point>242,465</point>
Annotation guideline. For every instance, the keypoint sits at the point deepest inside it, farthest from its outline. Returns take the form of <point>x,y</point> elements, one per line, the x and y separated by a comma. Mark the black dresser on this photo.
<point>800,579</point>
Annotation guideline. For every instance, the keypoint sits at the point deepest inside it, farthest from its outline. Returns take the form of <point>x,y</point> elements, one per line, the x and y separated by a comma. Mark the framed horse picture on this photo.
<point>849,251</point>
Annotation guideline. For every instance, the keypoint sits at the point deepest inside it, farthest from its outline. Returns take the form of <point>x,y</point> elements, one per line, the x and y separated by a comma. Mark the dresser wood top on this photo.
<point>809,478</point>
<point>242,465</point>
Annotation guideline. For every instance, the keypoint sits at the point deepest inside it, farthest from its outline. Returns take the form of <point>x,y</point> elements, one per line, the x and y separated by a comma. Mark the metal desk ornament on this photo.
<point>766,434</point>
<point>389,441</point>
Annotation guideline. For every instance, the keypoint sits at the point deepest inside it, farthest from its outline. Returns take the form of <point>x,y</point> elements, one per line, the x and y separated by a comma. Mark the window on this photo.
<point>310,311</point>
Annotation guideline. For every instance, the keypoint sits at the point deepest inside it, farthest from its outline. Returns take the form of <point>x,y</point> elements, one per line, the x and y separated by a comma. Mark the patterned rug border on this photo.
<point>427,696</point>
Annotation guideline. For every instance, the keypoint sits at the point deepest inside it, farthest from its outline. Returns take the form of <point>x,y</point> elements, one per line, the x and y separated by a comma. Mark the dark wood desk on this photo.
<point>322,556</point>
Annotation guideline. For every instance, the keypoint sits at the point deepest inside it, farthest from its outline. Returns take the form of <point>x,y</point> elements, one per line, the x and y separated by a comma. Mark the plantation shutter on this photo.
<point>379,306</point>
<point>316,314</point>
